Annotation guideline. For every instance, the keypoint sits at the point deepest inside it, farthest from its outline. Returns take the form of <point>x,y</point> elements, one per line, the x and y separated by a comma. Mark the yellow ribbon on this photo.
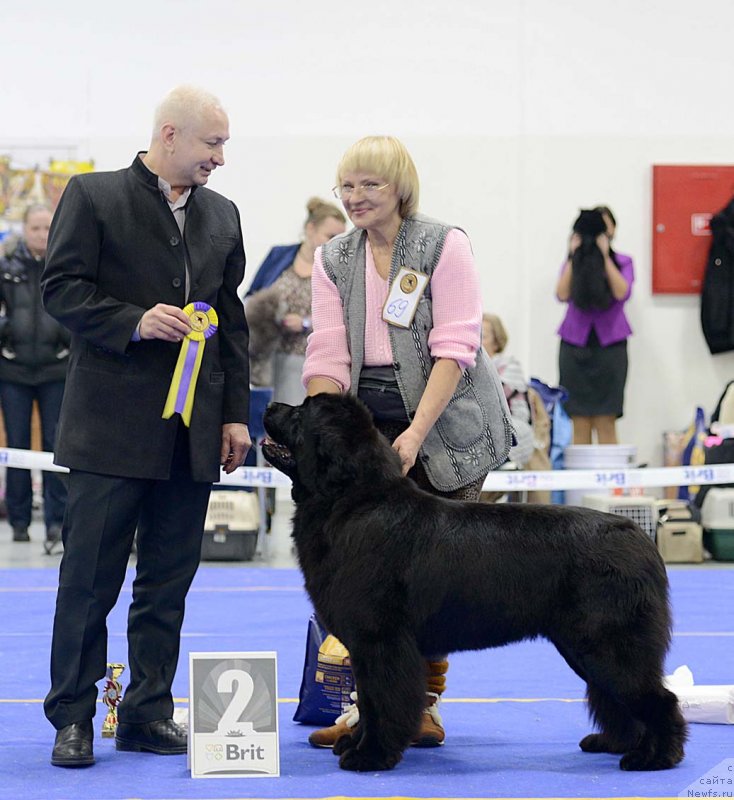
<point>203,319</point>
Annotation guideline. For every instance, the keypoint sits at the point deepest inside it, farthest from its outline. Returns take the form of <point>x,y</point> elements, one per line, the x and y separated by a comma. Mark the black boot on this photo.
<point>20,534</point>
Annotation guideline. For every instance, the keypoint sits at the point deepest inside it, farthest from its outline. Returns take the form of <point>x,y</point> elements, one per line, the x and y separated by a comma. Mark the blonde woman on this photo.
<point>397,321</point>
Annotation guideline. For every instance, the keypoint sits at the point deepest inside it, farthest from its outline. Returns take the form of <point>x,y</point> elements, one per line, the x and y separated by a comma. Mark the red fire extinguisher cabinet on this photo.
<point>684,198</point>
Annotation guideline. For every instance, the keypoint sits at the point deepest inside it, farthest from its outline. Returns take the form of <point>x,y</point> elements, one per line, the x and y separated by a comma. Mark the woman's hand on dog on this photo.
<point>407,446</point>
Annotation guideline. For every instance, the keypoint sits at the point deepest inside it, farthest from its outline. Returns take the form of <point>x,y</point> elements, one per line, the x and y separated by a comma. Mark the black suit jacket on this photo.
<point>114,251</point>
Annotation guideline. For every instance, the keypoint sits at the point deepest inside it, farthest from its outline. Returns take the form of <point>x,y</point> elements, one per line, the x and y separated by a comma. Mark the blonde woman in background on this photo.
<point>494,341</point>
<point>278,305</point>
<point>529,416</point>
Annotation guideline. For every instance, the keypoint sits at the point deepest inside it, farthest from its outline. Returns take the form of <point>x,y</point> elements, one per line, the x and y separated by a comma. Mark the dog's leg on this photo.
<point>571,659</point>
<point>620,732</point>
<point>661,746</point>
<point>636,714</point>
<point>390,679</point>
<point>604,711</point>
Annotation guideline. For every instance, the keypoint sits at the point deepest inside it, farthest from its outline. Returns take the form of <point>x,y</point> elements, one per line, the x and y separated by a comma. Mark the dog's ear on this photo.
<point>307,482</point>
<point>334,428</point>
<point>339,464</point>
<point>325,466</point>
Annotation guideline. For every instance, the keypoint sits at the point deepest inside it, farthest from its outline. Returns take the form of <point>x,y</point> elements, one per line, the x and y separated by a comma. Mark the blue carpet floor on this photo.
<point>514,716</point>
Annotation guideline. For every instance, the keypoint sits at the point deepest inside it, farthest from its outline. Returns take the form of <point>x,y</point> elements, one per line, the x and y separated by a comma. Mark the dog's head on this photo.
<point>327,444</point>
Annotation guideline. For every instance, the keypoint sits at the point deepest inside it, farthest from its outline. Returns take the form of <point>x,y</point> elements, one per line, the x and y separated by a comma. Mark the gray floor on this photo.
<point>27,554</point>
<point>273,549</point>
<point>32,554</point>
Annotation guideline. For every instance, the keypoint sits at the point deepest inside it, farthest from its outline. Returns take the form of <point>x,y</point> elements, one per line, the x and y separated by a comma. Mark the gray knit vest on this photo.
<point>474,433</point>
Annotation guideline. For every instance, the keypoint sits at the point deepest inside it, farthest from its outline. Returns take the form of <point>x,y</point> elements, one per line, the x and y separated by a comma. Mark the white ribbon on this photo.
<point>500,480</point>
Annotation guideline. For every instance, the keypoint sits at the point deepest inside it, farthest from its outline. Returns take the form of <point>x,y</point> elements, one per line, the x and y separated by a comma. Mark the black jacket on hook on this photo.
<point>717,292</point>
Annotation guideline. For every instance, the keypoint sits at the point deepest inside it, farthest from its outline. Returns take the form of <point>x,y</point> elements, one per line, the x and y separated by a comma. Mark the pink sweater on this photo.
<point>457,315</point>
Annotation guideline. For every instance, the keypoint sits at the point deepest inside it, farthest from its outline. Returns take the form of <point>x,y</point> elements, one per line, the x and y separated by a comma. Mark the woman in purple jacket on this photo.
<point>593,352</point>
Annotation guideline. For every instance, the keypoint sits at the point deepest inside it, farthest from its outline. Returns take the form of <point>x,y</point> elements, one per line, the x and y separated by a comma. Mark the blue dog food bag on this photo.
<point>327,678</point>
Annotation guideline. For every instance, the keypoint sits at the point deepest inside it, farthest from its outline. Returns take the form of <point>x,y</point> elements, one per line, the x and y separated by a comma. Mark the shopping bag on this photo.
<point>694,453</point>
<point>327,677</point>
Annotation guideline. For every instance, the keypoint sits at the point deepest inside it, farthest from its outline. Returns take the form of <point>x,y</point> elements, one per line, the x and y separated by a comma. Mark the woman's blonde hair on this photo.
<point>387,157</point>
<point>320,210</point>
<point>498,331</point>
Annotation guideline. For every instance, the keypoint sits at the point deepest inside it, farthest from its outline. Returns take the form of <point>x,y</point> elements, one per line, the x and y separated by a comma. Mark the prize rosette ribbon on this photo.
<point>204,321</point>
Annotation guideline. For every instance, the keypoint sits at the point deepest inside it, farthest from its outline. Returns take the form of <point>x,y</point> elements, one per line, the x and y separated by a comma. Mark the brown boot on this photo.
<point>328,737</point>
<point>431,732</point>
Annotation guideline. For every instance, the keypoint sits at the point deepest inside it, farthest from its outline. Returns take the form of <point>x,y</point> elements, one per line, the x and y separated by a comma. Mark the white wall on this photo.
<point>517,114</point>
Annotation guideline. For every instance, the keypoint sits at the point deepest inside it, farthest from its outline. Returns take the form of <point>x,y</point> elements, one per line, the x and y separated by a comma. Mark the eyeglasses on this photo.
<point>367,189</point>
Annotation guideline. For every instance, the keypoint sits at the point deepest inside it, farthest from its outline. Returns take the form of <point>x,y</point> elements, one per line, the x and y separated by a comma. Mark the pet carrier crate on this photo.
<point>231,526</point>
<point>717,518</point>
<point>640,509</point>
<point>679,536</point>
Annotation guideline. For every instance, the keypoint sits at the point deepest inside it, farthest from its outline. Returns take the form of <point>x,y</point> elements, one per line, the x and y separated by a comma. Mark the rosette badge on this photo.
<point>203,320</point>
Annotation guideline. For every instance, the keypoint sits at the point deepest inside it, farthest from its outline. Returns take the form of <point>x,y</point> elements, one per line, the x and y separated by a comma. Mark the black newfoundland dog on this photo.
<point>396,573</point>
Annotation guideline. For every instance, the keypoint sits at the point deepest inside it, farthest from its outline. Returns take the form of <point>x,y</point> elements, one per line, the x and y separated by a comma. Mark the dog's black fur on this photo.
<point>397,573</point>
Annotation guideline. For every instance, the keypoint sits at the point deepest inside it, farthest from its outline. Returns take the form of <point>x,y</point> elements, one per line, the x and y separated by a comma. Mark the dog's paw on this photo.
<point>360,760</point>
<point>601,743</point>
<point>642,761</point>
<point>344,743</point>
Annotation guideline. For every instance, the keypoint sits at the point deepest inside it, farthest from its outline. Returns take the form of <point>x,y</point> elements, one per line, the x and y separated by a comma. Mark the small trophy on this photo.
<point>111,696</point>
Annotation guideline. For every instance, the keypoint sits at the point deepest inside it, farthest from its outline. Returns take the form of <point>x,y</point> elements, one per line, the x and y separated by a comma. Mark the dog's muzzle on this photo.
<point>278,455</point>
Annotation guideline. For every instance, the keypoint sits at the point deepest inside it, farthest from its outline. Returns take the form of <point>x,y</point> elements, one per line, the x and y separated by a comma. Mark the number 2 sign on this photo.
<point>233,715</point>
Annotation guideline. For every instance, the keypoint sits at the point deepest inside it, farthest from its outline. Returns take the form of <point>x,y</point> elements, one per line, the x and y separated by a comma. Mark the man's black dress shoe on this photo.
<point>163,736</point>
<point>73,745</point>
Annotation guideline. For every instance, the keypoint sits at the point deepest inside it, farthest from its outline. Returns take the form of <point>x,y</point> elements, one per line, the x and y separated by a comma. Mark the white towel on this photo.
<point>700,703</point>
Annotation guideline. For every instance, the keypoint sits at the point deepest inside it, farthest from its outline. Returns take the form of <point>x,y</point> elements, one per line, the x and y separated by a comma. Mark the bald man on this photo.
<point>128,252</point>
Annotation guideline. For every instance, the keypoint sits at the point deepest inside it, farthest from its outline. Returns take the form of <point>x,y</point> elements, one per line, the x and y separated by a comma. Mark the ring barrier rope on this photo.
<point>500,480</point>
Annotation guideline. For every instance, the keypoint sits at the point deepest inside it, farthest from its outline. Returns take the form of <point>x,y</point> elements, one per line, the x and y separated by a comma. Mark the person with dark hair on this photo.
<point>143,266</point>
<point>34,351</point>
<point>595,282</point>
<point>278,305</point>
